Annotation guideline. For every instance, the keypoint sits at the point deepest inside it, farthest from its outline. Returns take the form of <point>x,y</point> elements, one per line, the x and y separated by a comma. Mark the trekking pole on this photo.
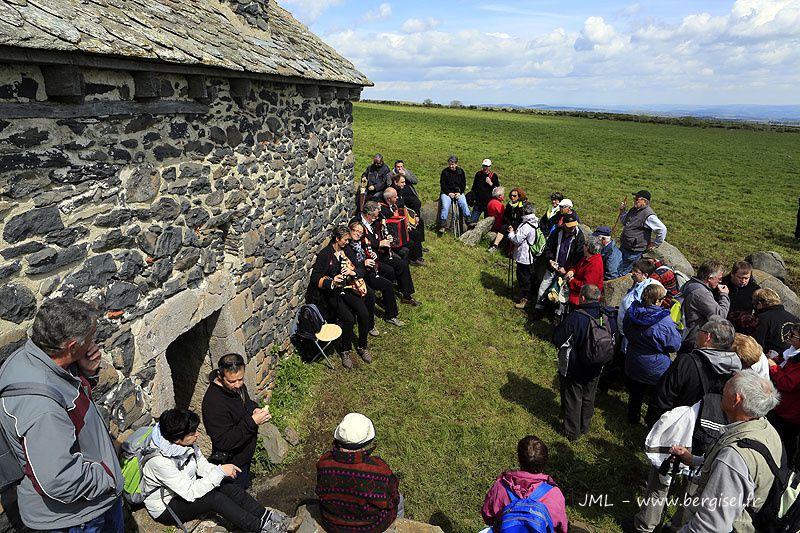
<point>510,276</point>
<point>456,219</point>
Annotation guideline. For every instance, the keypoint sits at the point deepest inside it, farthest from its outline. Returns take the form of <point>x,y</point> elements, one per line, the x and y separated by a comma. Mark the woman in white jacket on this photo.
<point>522,239</point>
<point>179,476</point>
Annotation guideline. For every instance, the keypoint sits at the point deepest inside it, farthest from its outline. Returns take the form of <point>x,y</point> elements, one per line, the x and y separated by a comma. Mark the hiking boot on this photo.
<point>274,522</point>
<point>416,262</point>
<point>374,332</point>
<point>395,322</point>
<point>346,362</point>
<point>425,250</point>
<point>492,248</point>
<point>440,230</point>
<point>410,301</point>
<point>522,304</point>
<point>363,353</point>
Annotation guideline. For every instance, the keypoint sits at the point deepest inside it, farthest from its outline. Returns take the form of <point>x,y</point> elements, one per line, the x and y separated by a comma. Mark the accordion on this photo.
<point>397,227</point>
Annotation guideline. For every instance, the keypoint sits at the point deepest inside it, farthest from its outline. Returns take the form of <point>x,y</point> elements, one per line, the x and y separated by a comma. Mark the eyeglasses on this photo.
<point>513,194</point>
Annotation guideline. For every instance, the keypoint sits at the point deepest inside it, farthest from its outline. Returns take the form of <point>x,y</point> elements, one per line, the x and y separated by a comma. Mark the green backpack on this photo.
<point>538,244</point>
<point>133,457</point>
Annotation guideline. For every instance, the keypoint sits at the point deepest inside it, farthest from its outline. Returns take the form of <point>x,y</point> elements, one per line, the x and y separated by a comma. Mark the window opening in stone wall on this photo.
<point>190,363</point>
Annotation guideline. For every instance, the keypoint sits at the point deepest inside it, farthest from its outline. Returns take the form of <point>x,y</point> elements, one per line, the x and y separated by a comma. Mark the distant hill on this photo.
<point>784,114</point>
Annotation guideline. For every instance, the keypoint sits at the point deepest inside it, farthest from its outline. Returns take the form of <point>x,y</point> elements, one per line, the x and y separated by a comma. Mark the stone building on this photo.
<point>177,162</point>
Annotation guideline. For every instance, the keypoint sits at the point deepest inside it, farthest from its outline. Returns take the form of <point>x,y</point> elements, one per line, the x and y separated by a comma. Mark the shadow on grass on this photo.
<point>496,284</point>
<point>537,400</point>
<point>442,520</point>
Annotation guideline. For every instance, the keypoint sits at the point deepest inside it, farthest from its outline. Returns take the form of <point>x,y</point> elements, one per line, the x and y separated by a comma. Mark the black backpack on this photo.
<point>601,343</point>
<point>781,510</point>
<point>710,423</point>
<point>307,323</point>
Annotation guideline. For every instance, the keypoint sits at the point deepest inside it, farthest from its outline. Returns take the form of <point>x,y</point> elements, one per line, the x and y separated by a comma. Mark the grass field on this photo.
<point>451,395</point>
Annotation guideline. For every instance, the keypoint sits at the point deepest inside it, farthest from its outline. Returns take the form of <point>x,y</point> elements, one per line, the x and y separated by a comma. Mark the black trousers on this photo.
<point>789,433</point>
<point>526,281</point>
<point>400,272</point>
<point>350,309</point>
<point>388,299</point>
<point>797,228</point>
<point>229,501</point>
<point>637,392</point>
<point>577,405</point>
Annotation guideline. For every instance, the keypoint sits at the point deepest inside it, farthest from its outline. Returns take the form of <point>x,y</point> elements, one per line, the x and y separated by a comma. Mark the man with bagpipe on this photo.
<point>390,264</point>
<point>404,222</point>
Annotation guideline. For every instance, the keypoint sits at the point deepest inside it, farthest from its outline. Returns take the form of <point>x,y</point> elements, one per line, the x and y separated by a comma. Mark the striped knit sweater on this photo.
<point>357,492</point>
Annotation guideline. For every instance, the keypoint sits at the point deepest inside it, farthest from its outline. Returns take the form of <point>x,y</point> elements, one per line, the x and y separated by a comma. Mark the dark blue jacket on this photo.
<point>651,335</point>
<point>576,325</point>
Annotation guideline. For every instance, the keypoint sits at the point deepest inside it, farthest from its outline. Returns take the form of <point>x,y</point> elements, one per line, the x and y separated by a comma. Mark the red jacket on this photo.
<point>586,271</point>
<point>787,381</point>
<point>495,209</point>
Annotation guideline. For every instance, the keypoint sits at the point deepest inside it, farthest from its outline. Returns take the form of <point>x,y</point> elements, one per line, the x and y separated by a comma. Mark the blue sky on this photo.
<point>569,52</point>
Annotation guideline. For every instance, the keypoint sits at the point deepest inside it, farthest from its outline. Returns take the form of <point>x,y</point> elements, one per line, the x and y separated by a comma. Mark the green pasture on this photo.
<point>453,391</point>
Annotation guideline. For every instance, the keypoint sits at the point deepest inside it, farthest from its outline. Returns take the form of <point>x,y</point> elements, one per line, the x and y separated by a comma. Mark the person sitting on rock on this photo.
<point>390,207</point>
<point>404,181</point>
<point>357,490</point>
<point>741,287</point>
<point>495,208</point>
<point>231,418</point>
<point>377,177</point>
<point>612,257</point>
<point>773,319</point>
<point>532,456</point>
<point>453,183</point>
<point>512,216</point>
<point>181,483</point>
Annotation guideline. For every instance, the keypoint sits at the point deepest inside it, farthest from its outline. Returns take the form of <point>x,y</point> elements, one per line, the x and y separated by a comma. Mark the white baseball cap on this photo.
<point>566,202</point>
<point>487,162</point>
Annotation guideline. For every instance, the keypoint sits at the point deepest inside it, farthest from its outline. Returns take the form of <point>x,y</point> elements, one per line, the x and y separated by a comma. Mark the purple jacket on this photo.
<point>523,484</point>
<point>651,335</point>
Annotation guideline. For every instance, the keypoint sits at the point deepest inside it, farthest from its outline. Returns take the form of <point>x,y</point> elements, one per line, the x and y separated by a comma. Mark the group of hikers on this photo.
<point>711,356</point>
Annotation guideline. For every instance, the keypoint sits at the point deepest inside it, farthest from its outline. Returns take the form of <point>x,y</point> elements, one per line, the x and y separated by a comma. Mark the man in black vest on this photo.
<point>638,226</point>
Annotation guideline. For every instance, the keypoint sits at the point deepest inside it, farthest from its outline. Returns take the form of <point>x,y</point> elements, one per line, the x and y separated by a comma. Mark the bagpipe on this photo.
<point>352,283</point>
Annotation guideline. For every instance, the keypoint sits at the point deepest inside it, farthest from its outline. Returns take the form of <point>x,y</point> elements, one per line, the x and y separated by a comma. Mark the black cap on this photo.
<point>642,194</point>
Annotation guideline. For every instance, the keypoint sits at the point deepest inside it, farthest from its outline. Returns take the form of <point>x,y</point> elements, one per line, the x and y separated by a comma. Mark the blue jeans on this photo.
<point>629,257</point>
<point>108,522</point>
<point>447,201</point>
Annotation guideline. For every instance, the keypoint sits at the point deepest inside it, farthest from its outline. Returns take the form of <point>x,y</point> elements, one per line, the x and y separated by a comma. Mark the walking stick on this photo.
<point>510,276</point>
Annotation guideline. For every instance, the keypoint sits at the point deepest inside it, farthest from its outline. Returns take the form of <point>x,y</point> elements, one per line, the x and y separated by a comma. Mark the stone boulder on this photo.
<point>673,257</point>
<point>274,444</point>
<point>789,298</point>
<point>430,213</point>
<point>770,262</point>
<point>615,289</point>
<point>474,236</point>
<point>308,518</point>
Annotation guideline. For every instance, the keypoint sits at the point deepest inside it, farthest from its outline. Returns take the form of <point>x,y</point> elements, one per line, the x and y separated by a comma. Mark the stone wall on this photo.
<point>166,198</point>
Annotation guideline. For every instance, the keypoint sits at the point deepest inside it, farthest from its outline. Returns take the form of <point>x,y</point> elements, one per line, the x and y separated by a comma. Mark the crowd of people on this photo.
<point>711,359</point>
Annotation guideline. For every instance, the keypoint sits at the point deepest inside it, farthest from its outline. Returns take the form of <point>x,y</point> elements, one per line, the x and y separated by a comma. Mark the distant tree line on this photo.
<point>694,122</point>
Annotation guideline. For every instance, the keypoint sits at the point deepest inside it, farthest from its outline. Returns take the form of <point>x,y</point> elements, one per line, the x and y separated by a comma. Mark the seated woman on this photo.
<point>365,260</point>
<point>335,288</point>
<point>512,216</point>
<point>589,270</point>
<point>532,456</point>
<point>181,483</point>
<point>652,335</point>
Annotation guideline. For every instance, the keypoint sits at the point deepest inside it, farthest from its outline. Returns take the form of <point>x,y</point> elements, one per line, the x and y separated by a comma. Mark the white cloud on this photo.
<point>384,11</point>
<point>308,11</point>
<point>739,55</point>
<point>419,26</point>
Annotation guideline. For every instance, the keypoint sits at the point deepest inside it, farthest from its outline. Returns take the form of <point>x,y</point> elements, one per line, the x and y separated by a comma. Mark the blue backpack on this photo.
<point>527,515</point>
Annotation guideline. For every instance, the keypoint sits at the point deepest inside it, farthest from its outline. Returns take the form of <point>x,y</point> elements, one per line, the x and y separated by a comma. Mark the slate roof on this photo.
<point>186,32</point>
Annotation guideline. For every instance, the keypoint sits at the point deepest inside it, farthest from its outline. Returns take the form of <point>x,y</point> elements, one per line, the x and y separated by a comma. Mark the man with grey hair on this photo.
<point>703,370</point>
<point>735,478</point>
<point>71,477</point>
<point>699,300</point>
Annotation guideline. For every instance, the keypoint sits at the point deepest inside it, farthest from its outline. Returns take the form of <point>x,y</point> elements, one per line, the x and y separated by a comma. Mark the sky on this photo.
<point>580,52</point>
